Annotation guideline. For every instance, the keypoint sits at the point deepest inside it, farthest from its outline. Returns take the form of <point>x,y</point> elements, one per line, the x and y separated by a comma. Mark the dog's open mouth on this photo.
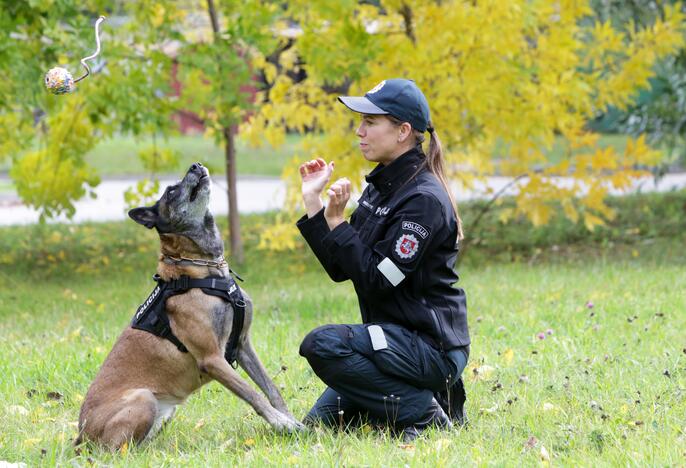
<point>202,182</point>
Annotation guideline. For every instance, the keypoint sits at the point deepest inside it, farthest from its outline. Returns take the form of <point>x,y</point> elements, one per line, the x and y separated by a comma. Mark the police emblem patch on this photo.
<point>406,246</point>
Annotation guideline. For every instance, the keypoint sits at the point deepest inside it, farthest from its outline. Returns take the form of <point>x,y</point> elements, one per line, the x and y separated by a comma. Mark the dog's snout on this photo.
<point>195,167</point>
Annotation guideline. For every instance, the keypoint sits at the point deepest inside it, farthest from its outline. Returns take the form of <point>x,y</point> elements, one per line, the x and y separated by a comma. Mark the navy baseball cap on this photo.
<point>397,97</point>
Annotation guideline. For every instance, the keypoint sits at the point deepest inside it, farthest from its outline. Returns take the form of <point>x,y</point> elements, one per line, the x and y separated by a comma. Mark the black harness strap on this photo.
<point>152,317</point>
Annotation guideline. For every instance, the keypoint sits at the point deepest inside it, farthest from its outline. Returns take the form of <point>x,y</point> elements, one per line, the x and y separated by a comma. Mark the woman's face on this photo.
<point>379,139</point>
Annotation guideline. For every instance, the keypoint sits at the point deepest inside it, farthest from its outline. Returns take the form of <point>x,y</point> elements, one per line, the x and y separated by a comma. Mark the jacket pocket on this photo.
<point>438,326</point>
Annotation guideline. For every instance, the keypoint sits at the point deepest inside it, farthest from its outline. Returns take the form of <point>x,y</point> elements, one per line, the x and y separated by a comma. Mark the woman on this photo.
<point>402,365</point>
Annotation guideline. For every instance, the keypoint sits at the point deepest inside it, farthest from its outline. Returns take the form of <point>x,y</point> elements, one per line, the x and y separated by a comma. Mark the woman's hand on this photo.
<point>314,174</point>
<point>339,194</point>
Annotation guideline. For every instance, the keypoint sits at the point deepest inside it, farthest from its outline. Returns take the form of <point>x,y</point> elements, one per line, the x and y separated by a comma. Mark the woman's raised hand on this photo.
<point>314,175</point>
<point>339,194</point>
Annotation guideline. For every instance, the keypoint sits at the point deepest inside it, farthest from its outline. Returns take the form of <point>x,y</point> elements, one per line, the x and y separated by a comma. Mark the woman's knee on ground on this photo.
<point>327,342</point>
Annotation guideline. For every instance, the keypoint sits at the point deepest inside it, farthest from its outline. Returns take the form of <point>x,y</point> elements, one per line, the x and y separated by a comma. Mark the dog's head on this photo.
<point>183,211</point>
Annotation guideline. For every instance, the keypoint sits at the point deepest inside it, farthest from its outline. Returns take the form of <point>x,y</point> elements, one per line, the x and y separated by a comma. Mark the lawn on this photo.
<point>119,156</point>
<point>605,387</point>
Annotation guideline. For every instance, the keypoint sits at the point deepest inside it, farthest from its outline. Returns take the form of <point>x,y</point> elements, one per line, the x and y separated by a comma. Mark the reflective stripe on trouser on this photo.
<point>393,385</point>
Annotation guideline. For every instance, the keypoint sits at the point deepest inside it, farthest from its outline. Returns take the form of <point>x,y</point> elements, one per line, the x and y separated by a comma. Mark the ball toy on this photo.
<point>59,81</point>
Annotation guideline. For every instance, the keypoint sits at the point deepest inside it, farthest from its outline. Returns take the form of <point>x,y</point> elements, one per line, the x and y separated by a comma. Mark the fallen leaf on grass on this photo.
<point>199,424</point>
<point>441,444</point>
<point>31,442</point>
<point>17,409</point>
<point>508,355</point>
<point>482,372</point>
<point>55,396</point>
<point>226,444</point>
<point>492,409</point>
<point>249,442</point>
<point>545,456</point>
<point>530,443</point>
<point>548,406</point>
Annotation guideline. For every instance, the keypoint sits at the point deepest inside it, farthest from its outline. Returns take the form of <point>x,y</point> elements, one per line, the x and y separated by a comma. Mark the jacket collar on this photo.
<point>387,179</point>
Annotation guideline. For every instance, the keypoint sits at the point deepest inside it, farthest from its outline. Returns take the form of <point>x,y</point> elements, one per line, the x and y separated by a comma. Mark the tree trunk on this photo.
<point>236,244</point>
<point>232,192</point>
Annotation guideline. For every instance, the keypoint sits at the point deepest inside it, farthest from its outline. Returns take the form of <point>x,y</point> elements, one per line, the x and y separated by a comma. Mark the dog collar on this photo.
<point>217,263</point>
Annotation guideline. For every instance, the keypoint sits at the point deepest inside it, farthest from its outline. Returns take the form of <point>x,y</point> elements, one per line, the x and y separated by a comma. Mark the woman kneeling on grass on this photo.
<point>402,366</point>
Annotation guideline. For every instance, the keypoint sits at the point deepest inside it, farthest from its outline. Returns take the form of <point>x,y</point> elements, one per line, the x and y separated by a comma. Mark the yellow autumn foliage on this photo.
<point>505,82</point>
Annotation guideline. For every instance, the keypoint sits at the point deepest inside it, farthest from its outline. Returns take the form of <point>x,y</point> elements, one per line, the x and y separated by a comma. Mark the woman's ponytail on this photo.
<point>434,161</point>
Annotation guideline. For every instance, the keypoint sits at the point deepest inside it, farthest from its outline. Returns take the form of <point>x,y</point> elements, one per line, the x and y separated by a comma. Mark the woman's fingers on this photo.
<point>341,187</point>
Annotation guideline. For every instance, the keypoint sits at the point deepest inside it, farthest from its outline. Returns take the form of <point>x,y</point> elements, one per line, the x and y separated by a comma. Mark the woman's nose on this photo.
<point>359,132</point>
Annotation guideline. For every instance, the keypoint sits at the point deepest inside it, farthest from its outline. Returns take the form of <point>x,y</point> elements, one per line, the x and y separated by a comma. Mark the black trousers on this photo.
<point>391,386</point>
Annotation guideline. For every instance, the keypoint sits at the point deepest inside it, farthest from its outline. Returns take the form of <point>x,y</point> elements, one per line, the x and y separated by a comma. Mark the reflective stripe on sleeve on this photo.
<point>390,271</point>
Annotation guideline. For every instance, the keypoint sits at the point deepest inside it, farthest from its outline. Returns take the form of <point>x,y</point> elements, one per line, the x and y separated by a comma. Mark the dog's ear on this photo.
<point>147,216</point>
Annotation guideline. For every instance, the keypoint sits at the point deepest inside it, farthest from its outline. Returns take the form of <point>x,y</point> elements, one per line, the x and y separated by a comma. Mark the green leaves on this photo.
<point>53,176</point>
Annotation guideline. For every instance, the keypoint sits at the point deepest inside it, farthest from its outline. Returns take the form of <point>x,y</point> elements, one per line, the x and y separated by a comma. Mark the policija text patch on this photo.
<point>412,236</point>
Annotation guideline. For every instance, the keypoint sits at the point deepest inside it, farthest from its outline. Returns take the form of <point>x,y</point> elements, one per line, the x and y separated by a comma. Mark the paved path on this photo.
<point>255,195</point>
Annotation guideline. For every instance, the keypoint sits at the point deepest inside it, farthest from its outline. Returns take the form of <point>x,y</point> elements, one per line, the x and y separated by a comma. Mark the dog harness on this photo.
<point>152,317</point>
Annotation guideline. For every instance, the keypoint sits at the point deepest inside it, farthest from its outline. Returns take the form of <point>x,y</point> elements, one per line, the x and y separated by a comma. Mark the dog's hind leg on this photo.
<point>133,420</point>
<point>220,370</point>
<point>248,360</point>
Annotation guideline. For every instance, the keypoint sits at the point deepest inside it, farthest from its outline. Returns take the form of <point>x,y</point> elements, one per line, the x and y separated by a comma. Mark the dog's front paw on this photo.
<point>299,427</point>
<point>291,425</point>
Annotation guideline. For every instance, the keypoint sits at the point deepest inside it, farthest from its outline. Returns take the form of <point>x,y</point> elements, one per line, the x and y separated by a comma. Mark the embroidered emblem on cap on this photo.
<point>406,246</point>
<point>377,87</point>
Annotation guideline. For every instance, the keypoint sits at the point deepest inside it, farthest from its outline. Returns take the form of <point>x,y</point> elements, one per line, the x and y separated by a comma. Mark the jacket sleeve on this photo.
<point>314,230</point>
<point>382,267</point>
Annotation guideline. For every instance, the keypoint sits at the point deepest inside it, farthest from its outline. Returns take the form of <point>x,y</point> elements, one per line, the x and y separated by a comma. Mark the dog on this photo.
<point>145,376</point>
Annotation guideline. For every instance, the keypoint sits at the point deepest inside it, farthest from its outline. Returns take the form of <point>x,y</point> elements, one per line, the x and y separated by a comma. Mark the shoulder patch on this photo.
<point>415,227</point>
<point>406,246</point>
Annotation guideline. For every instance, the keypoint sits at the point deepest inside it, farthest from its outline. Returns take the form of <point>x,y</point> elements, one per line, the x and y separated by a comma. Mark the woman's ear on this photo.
<point>405,132</point>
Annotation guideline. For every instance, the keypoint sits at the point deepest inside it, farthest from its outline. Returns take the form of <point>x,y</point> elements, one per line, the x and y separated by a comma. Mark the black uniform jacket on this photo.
<point>399,250</point>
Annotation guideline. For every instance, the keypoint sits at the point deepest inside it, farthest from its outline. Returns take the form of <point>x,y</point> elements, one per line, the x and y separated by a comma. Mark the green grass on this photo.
<point>119,156</point>
<point>557,153</point>
<point>6,187</point>
<point>593,393</point>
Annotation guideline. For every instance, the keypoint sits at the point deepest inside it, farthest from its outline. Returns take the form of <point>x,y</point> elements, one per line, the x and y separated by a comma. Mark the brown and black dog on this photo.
<point>145,377</point>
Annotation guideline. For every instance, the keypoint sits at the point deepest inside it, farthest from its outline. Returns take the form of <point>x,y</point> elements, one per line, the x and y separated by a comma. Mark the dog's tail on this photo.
<point>79,438</point>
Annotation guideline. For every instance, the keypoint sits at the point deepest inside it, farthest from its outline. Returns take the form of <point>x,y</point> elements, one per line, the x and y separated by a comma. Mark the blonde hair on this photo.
<point>434,162</point>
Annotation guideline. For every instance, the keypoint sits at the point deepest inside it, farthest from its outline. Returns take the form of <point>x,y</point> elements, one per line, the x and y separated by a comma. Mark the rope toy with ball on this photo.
<point>59,81</point>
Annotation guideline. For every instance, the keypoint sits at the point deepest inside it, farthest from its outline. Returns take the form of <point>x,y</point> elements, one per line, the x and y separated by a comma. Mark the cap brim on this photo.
<point>361,104</point>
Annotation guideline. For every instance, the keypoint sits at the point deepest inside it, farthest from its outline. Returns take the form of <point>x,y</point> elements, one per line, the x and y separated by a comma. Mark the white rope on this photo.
<point>97,51</point>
